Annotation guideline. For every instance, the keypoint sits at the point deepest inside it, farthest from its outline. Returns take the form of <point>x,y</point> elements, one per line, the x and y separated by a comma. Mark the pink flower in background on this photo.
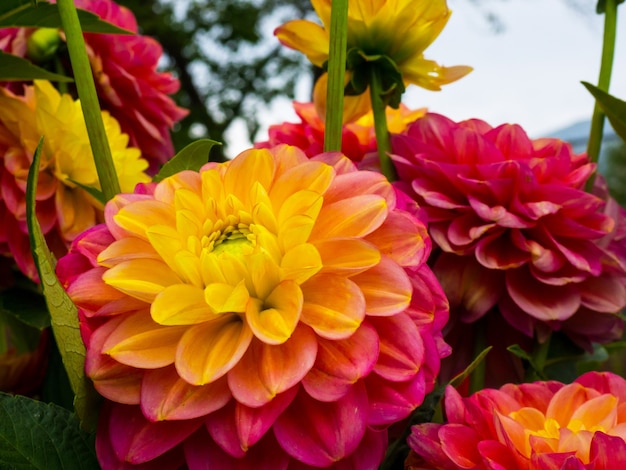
<point>358,138</point>
<point>515,228</point>
<point>273,311</point>
<point>532,426</point>
<point>128,82</point>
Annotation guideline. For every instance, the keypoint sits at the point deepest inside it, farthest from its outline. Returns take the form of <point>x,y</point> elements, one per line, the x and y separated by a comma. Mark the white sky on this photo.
<point>528,74</point>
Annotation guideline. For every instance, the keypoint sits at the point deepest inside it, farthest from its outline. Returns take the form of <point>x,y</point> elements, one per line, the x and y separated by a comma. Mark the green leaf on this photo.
<point>46,15</point>
<point>95,192</point>
<point>64,314</point>
<point>25,305</point>
<point>192,157</point>
<point>614,108</point>
<point>601,6</point>
<point>13,68</point>
<point>24,338</point>
<point>458,379</point>
<point>36,435</point>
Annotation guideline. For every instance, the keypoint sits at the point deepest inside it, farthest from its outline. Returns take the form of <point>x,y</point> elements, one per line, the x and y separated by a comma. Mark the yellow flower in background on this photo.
<point>64,209</point>
<point>398,29</point>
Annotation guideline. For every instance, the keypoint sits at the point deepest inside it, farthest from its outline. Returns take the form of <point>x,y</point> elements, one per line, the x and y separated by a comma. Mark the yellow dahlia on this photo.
<point>268,310</point>
<point>64,209</point>
<point>398,30</point>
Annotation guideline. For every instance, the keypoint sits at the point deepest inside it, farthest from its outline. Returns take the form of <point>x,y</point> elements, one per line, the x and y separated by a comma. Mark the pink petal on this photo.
<point>401,347</point>
<point>320,434</point>
<point>253,423</point>
<point>393,401</point>
<point>543,302</point>
<point>165,396</point>
<point>202,453</point>
<point>340,364</point>
<point>267,370</point>
<point>136,440</point>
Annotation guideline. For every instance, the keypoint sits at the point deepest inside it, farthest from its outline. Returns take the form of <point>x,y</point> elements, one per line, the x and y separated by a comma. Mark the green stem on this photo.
<point>88,99</point>
<point>539,357</point>
<point>477,378</point>
<point>336,75</point>
<point>379,107</point>
<point>606,67</point>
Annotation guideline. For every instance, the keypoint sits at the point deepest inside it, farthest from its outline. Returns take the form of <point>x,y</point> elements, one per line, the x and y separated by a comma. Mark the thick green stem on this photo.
<point>606,67</point>
<point>88,99</point>
<point>379,107</point>
<point>336,75</point>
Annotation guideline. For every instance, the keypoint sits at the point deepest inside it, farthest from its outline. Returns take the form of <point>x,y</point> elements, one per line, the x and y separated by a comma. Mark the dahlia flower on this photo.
<point>538,426</point>
<point>398,29</point>
<point>358,138</point>
<point>266,312</point>
<point>127,80</point>
<point>63,209</point>
<point>514,227</point>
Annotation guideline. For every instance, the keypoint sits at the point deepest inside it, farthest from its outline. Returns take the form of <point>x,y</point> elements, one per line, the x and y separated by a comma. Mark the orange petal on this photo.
<point>354,217</point>
<point>333,306</point>
<point>347,256</point>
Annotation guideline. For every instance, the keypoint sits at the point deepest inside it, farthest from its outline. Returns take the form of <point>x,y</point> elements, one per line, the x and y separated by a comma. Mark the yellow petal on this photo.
<point>251,167</point>
<point>138,216</point>
<point>274,319</point>
<point>140,342</point>
<point>180,304</point>
<point>222,298</point>
<point>301,263</point>
<point>347,256</point>
<point>209,350</point>
<point>142,278</point>
<point>307,37</point>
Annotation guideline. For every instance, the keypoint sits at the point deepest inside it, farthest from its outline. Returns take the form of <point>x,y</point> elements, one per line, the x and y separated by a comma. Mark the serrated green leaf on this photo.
<point>63,313</point>
<point>13,68</point>
<point>46,15</point>
<point>26,306</point>
<point>192,157</point>
<point>36,435</point>
<point>458,379</point>
<point>95,192</point>
<point>614,108</point>
<point>601,6</point>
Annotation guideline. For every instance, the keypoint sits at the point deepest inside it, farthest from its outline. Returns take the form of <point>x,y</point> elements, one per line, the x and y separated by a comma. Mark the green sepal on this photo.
<point>95,192</point>
<point>20,13</point>
<point>63,313</point>
<point>37,435</point>
<point>517,351</point>
<point>361,64</point>
<point>601,6</point>
<point>613,108</point>
<point>13,68</point>
<point>192,157</point>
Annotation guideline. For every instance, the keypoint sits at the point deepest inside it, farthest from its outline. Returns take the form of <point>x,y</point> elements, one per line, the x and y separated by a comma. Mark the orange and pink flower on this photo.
<point>515,229</point>
<point>538,426</point>
<point>267,312</point>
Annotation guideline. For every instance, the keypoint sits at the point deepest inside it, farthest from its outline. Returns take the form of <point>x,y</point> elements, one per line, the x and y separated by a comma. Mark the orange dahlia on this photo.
<point>270,311</point>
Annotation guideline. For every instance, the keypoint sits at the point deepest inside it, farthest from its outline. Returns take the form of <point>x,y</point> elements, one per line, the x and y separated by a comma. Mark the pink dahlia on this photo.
<point>358,137</point>
<point>128,81</point>
<point>533,426</point>
<point>269,312</point>
<point>514,227</point>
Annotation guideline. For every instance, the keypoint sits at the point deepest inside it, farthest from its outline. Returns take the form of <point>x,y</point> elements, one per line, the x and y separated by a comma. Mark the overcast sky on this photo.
<point>529,73</point>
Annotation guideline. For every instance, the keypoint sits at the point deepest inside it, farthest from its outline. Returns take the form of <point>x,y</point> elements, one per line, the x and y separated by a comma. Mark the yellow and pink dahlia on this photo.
<point>515,229</point>
<point>532,426</point>
<point>63,208</point>
<point>128,82</point>
<point>269,312</point>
